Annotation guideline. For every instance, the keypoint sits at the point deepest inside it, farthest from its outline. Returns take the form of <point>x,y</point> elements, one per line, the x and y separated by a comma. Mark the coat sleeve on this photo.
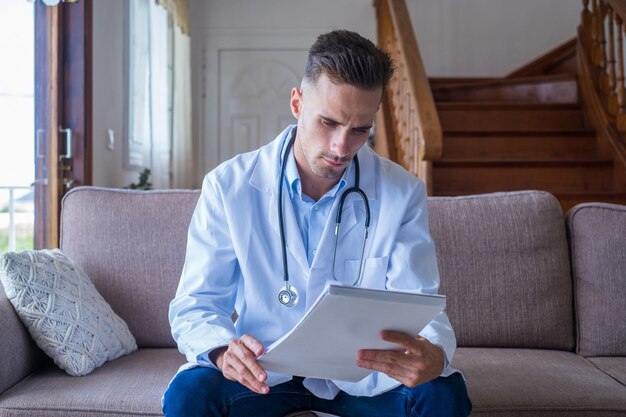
<point>413,266</point>
<point>200,313</point>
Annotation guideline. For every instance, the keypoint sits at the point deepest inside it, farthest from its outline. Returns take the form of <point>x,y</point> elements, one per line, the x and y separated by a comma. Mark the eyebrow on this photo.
<point>328,119</point>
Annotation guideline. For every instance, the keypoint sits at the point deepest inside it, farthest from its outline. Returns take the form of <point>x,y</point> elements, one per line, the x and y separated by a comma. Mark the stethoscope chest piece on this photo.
<point>288,296</point>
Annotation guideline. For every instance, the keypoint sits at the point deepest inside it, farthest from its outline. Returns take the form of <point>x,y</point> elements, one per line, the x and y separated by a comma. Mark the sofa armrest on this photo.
<point>19,356</point>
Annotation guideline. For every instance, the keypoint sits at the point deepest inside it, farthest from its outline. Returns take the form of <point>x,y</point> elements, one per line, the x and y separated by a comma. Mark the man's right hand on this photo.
<point>238,362</point>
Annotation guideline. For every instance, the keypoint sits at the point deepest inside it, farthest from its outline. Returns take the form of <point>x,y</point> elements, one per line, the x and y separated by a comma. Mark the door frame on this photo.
<point>63,99</point>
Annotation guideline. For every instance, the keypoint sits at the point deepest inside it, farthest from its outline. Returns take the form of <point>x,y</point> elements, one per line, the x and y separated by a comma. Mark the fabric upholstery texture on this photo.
<point>504,266</point>
<point>598,249</point>
<point>536,382</point>
<point>616,367</point>
<point>103,393</point>
<point>20,356</point>
<point>64,313</point>
<point>132,244</point>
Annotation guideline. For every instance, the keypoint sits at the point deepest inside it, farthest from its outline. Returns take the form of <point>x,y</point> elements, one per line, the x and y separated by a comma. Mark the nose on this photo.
<point>340,144</point>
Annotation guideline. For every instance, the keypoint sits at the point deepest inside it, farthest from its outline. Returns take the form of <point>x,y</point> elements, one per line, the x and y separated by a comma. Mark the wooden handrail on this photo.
<point>600,66</point>
<point>413,137</point>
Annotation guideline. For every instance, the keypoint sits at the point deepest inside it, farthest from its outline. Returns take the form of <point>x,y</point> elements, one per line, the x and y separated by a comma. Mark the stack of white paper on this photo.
<point>325,342</point>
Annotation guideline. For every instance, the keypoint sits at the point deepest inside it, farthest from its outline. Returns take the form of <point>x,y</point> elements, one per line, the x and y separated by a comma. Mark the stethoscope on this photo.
<point>288,294</point>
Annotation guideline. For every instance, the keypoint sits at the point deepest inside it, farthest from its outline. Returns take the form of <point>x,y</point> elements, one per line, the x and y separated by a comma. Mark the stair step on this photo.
<point>458,178</point>
<point>559,88</point>
<point>510,117</point>
<point>568,201</point>
<point>529,146</point>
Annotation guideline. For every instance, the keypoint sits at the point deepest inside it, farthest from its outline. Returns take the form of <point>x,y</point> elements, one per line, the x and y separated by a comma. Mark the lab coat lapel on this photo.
<point>293,238</point>
<point>265,178</point>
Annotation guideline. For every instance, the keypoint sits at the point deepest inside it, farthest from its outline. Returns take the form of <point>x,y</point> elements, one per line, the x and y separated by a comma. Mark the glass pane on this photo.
<point>17,125</point>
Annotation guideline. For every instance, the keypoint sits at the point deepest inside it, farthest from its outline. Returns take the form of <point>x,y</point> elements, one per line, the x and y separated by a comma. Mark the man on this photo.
<point>235,247</point>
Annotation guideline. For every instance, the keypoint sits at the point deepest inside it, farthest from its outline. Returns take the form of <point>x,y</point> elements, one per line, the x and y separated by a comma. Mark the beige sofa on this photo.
<point>538,302</point>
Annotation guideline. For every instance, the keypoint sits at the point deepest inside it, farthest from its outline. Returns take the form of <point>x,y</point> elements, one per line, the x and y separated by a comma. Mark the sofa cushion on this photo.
<point>132,244</point>
<point>62,310</point>
<point>504,265</point>
<point>535,382</point>
<point>616,367</point>
<point>130,386</point>
<point>598,246</point>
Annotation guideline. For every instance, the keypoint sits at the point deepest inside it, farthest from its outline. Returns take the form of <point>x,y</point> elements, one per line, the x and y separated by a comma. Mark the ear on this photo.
<point>296,102</point>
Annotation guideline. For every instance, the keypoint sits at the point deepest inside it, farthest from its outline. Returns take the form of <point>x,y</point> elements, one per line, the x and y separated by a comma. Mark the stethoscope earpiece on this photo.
<point>288,296</point>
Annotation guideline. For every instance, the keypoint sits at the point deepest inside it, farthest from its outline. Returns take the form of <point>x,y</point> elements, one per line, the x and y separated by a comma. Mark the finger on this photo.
<point>398,338</point>
<point>248,358</point>
<point>253,344</point>
<point>392,357</point>
<point>398,372</point>
<point>238,372</point>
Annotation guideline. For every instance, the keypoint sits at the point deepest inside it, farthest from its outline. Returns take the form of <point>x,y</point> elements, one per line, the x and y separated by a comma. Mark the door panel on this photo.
<point>255,87</point>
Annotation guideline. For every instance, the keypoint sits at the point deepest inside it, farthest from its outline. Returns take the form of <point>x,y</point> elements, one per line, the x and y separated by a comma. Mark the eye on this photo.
<point>328,123</point>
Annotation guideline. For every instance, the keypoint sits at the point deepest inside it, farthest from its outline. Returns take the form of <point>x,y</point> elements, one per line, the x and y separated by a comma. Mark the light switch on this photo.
<point>110,139</point>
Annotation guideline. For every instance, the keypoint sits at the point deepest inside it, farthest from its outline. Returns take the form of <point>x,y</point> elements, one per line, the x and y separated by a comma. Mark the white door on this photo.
<point>249,54</point>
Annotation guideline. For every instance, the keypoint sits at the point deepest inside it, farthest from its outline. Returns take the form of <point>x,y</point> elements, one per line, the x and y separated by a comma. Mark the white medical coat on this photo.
<point>234,259</point>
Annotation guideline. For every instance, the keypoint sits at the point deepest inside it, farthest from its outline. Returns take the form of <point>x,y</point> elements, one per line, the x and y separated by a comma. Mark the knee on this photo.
<point>444,396</point>
<point>194,392</point>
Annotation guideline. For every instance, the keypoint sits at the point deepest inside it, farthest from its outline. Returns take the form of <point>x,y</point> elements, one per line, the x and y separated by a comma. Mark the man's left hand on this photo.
<point>417,361</point>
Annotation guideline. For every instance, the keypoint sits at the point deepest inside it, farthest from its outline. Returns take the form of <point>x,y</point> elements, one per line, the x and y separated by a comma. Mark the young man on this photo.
<point>279,204</point>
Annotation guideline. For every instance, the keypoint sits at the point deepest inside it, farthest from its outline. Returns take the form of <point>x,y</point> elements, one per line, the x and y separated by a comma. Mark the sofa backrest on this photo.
<point>504,265</point>
<point>503,260</point>
<point>132,245</point>
<point>598,249</point>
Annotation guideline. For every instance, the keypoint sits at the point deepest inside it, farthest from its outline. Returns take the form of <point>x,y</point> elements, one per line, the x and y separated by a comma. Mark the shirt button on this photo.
<point>316,208</point>
<point>314,252</point>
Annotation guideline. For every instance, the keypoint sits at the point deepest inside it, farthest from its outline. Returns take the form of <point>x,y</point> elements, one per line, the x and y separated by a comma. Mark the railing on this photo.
<point>600,63</point>
<point>12,227</point>
<point>409,128</point>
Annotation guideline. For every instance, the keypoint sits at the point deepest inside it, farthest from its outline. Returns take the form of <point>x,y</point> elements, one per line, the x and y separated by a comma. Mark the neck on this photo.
<point>313,185</point>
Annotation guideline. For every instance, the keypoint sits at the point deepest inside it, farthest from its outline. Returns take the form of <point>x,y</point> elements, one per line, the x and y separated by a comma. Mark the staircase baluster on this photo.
<point>612,104</point>
<point>586,29</point>
<point>604,83</point>
<point>620,69</point>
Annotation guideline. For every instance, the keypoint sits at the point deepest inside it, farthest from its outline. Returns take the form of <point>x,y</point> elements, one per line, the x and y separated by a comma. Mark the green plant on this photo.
<point>22,241</point>
<point>143,184</point>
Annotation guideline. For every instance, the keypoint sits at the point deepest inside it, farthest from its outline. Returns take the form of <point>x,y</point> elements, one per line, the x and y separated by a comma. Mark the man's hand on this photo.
<point>238,363</point>
<point>417,361</point>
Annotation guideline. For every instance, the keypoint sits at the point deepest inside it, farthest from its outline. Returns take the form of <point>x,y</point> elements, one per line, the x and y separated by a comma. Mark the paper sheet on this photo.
<point>325,342</point>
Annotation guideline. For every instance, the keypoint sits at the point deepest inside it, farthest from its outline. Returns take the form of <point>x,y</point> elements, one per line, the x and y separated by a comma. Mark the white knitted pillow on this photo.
<point>63,311</point>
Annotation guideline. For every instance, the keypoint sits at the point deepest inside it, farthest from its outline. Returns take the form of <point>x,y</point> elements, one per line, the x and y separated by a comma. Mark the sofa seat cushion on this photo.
<point>616,367</point>
<point>129,386</point>
<point>534,382</point>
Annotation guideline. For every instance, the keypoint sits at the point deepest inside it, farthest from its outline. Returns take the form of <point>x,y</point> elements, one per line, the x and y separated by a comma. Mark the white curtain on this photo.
<point>183,164</point>
<point>160,94</point>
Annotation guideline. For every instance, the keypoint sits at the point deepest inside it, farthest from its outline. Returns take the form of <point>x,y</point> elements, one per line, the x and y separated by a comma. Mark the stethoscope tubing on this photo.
<point>355,189</point>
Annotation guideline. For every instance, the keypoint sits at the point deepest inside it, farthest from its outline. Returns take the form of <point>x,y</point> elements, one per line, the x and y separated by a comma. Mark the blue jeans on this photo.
<point>204,392</point>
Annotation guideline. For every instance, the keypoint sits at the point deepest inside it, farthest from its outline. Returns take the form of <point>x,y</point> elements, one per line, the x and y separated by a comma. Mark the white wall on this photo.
<point>489,37</point>
<point>456,38</point>
<point>109,94</point>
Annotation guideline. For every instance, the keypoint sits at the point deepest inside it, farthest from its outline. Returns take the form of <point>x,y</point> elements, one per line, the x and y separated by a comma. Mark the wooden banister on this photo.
<point>600,66</point>
<point>413,136</point>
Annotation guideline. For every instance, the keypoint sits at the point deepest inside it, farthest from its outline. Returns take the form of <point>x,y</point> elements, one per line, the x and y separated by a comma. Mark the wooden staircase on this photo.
<point>526,131</point>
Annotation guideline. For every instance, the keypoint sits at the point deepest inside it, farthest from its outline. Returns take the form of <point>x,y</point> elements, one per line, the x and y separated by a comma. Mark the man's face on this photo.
<point>333,124</point>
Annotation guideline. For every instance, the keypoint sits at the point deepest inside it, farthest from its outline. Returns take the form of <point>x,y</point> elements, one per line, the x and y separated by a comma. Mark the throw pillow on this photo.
<point>64,313</point>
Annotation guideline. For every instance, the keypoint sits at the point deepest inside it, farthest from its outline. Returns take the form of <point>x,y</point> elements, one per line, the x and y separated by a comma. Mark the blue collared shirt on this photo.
<point>311,214</point>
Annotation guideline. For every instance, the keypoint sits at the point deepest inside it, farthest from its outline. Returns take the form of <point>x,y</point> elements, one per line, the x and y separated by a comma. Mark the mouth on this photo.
<point>335,163</point>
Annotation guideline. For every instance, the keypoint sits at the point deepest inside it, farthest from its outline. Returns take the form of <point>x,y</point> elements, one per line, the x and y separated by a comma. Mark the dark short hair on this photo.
<point>348,58</point>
